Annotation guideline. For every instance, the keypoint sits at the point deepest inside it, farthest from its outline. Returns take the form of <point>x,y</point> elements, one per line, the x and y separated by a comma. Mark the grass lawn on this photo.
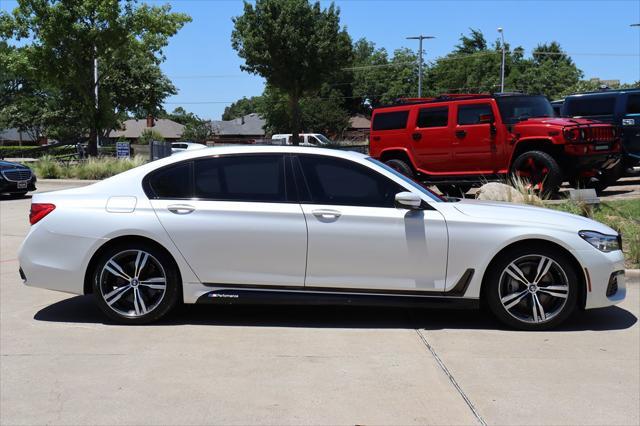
<point>621,215</point>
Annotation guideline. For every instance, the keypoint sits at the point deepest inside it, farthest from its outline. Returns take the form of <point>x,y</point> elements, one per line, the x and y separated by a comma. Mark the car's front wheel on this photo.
<point>532,287</point>
<point>135,283</point>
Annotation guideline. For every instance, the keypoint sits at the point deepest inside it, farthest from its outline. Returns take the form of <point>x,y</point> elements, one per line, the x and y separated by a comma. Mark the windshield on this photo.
<point>518,108</point>
<point>324,139</point>
<point>414,184</point>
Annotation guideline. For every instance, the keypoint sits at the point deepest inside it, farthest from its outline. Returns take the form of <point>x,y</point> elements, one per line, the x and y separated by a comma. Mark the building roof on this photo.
<point>249,125</point>
<point>359,121</point>
<point>15,135</point>
<point>132,129</point>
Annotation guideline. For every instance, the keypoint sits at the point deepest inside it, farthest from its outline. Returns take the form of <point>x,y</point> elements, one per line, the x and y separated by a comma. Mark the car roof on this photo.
<point>604,93</point>
<point>255,149</point>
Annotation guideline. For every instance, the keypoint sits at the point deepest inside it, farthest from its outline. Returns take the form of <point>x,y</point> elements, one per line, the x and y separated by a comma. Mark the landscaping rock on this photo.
<point>495,191</point>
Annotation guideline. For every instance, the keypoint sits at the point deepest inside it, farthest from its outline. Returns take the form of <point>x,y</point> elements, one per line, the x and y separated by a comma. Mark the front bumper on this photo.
<point>12,187</point>
<point>602,272</point>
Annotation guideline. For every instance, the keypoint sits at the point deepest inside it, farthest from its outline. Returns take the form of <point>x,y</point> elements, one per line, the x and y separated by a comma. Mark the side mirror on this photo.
<point>408,200</point>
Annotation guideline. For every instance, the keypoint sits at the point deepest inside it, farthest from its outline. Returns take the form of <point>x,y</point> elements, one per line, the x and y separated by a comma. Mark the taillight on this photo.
<point>39,210</point>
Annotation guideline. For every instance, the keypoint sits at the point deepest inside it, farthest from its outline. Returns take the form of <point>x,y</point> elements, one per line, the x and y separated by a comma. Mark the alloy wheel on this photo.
<point>133,283</point>
<point>533,289</point>
<point>533,173</point>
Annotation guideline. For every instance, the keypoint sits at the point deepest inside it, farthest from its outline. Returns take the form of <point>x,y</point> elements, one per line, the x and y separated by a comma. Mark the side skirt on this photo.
<point>227,294</point>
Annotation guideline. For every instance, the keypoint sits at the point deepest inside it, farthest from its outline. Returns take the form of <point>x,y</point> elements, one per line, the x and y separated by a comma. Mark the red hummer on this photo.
<point>457,141</point>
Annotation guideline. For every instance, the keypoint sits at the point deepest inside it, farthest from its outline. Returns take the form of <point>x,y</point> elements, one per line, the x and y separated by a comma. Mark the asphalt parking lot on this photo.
<point>62,363</point>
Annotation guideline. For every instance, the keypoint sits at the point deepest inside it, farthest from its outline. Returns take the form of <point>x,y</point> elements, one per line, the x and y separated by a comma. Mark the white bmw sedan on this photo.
<point>311,225</point>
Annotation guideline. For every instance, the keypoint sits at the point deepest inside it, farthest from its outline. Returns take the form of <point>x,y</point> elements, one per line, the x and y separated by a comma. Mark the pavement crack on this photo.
<point>451,379</point>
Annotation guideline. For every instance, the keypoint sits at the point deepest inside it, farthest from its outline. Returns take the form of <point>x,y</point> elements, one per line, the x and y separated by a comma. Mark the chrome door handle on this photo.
<point>180,208</point>
<point>326,214</point>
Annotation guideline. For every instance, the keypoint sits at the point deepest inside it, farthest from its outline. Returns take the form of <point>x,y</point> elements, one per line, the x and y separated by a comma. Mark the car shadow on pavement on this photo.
<point>82,309</point>
<point>14,197</point>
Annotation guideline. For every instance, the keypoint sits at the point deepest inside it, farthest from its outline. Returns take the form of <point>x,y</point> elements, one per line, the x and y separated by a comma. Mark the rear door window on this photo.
<point>472,114</point>
<point>588,106</point>
<point>433,117</point>
<point>390,120</point>
<point>257,178</point>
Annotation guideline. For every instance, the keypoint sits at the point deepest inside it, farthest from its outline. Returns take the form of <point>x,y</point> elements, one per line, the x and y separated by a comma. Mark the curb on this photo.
<point>67,181</point>
<point>632,274</point>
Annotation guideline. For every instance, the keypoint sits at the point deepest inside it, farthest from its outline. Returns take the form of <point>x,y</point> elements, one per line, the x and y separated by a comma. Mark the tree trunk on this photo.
<point>92,146</point>
<point>294,113</point>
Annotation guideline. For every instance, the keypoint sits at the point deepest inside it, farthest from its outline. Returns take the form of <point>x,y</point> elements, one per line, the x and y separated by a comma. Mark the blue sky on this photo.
<point>585,29</point>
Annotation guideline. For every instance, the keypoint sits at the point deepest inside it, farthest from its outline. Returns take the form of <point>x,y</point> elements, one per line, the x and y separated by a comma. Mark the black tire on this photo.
<point>157,265</point>
<point>401,166</point>
<point>540,169</point>
<point>557,308</point>
<point>458,190</point>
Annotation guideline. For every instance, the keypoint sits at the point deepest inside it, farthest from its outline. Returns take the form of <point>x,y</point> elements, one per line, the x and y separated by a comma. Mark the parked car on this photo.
<point>557,107</point>
<point>275,224</point>
<point>306,139</point>
<point>16,179</point>
<point>456,141</point>
<point>620,108</point>
<point>185,146</point>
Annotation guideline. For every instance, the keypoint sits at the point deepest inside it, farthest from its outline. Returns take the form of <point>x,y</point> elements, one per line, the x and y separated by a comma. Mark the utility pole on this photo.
<point>95,87</point>
<point>420,38</point>
<point>501,31</point>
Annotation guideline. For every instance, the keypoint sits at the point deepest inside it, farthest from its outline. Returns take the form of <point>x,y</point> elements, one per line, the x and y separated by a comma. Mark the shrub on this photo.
<point>48,168</point>
<point>93,168</point>
<point>149,135</point>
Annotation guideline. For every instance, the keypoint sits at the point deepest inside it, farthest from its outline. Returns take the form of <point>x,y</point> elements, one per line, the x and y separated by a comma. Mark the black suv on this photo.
<point>619,107</point>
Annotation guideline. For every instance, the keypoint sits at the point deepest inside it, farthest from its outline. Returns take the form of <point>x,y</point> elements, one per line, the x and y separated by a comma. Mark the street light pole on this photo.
<point>95,87</point>
<point>501,31</point>
<point>420,38</point>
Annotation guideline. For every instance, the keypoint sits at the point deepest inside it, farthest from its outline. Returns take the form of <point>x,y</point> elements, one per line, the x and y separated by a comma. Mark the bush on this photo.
<point>620,215</point>
<point>93,168</point>
<point>48,168</point>
<point>149,135</point>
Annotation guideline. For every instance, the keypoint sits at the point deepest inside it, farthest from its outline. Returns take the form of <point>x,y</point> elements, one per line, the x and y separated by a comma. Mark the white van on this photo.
<point>306,139</point>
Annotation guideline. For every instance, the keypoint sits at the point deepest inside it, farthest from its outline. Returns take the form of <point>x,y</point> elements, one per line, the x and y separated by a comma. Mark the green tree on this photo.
<point>61,39</point>
<point>379,79</point>
<point>296,46</point>
<point>322,112</point>
<point>241,107</point>
<point>198,131</point>
<point>550,72</point>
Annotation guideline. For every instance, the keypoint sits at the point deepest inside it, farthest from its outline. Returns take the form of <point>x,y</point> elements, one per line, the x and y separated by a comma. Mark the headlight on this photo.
<point>602,242</point>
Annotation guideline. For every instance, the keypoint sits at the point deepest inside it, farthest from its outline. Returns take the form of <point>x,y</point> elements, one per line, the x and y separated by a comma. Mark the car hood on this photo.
<point>510,213</point>
<point>555,121</point>
<point>6,165</point>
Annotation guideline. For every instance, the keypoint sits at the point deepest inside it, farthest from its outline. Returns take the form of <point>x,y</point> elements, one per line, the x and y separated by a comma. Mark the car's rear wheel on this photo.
<point>135,283</point>
<point>401,167</point>
<point>539,171</point>
<point>532,288</point>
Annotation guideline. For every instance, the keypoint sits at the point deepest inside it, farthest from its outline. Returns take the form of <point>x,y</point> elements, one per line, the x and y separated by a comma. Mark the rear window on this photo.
<point>590,105</point>
<point>633,104</point>
<point>433,117</point>
<point>390,120</point>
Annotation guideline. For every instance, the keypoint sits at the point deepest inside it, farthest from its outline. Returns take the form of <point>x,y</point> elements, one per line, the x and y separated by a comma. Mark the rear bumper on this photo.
<point>55,261</point>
